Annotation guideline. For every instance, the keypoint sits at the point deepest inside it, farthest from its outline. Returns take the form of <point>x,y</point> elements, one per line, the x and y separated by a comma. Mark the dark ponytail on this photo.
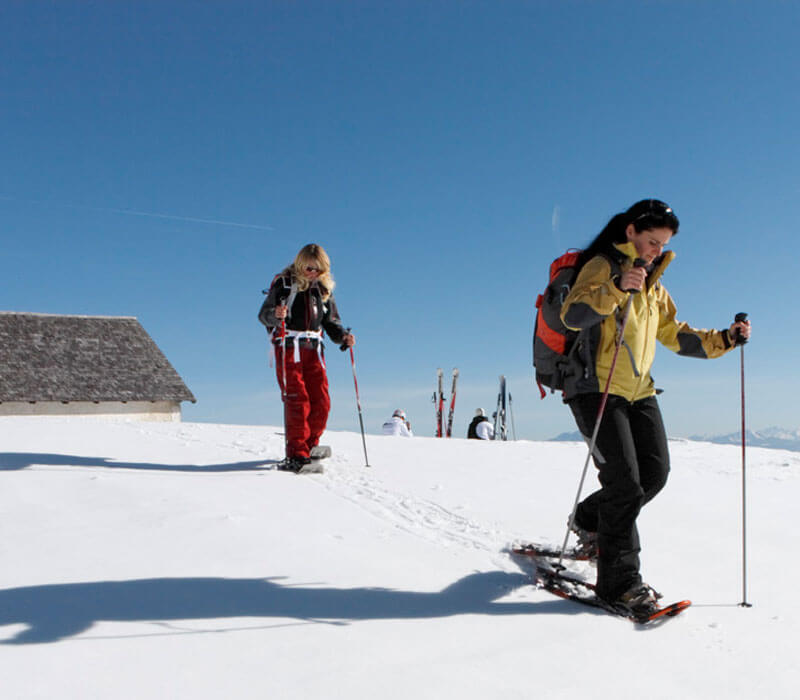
<point>645,215</point>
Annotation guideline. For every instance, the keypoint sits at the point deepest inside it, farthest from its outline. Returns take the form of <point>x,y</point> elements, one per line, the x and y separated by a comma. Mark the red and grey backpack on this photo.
<point>553,342</point>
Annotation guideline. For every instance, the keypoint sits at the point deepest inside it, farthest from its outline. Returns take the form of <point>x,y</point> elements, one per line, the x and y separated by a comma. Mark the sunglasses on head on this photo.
<point>655,208</point>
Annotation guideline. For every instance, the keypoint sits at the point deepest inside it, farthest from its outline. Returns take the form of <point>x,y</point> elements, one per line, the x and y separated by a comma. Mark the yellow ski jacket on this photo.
<point>594,307</point>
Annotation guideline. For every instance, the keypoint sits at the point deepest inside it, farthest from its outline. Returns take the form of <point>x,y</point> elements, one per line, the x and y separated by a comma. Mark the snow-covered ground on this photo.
<point>169,560</point>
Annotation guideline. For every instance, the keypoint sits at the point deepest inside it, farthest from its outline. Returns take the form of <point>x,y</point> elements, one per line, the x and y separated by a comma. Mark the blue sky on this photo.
<point>164,159</point>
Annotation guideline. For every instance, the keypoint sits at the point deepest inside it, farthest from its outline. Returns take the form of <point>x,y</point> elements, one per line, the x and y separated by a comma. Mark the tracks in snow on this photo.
<point>419,517</point>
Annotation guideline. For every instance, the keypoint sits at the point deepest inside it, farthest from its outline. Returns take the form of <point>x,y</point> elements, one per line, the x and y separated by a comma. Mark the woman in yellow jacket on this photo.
<point>631,451</point>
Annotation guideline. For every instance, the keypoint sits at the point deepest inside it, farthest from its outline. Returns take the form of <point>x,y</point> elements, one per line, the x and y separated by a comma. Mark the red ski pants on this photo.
<point>307,399</point>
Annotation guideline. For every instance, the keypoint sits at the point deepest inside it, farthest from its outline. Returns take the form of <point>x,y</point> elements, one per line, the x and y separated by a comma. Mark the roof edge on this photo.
<point>47,315</point>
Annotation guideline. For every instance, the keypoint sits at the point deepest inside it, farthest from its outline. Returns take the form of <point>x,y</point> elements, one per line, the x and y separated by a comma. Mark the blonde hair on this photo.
<point>313,255</point>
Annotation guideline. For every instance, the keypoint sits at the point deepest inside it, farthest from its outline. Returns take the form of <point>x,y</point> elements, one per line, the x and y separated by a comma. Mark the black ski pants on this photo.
<point>632,458</point>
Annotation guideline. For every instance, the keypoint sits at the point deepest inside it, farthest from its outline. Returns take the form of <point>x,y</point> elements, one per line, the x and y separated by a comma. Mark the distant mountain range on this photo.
<point>568,437</point>
<point>776,438</point>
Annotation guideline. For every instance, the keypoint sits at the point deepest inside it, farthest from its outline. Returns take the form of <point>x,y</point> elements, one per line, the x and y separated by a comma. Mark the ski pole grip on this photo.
<point>636,263</point>
<point>739,318</point>
<point>343,346</point>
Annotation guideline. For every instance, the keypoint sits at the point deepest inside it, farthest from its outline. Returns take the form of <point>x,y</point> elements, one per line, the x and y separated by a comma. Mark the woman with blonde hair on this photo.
<point>298,309</point>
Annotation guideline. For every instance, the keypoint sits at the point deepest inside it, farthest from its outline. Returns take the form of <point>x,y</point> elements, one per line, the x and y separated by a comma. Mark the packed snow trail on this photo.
<point>417,516</point>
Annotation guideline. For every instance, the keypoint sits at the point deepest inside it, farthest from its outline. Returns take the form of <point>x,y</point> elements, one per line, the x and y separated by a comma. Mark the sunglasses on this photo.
<point>312,269</point>
<point>657,208</point>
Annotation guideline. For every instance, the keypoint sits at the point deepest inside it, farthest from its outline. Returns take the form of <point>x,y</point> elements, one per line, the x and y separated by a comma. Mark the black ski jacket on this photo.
<point>307,310</point>
<point>472,432</point>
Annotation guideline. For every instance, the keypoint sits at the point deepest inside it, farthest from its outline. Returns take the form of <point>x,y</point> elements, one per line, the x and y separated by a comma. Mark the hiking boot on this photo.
<point>640,599</point>
<point>586,548</point>
<point>293,464</point>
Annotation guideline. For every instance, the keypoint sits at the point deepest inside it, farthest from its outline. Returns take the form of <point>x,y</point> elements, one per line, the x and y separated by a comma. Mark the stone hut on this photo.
<point>99,366</point>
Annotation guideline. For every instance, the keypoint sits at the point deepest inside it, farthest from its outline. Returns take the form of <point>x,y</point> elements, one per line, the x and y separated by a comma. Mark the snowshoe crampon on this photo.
<point>570,586</point>
<point>320,452</point>
<point>300,466</point>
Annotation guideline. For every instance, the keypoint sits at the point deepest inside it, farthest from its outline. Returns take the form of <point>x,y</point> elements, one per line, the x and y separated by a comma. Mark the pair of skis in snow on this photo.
<point>504,403</point>
<point>543,561</point>
<point>505,408</point>
<point>438,402</point>
<point>500,430</point>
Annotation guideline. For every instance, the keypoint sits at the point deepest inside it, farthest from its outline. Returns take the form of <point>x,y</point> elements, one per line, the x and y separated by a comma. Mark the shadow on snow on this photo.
<point>16,461</point>
<point>54,612</point>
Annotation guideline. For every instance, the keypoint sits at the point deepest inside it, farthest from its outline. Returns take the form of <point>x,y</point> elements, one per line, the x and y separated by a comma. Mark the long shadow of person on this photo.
<point>16,461</point>
<point>54,612</point>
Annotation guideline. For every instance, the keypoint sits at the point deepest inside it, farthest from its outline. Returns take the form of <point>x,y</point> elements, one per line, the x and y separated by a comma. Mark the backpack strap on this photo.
<point>290,299</point>
<point>615,259</point>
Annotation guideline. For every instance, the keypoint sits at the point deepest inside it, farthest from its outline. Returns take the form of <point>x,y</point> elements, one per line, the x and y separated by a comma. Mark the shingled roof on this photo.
<point>83,358</point>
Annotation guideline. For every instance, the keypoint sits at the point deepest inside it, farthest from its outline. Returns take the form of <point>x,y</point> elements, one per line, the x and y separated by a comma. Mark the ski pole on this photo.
<point>503,425</point>
<point>440,404</point>
<point>358,402</point>
<point>283,384</point>
<point>511,411</point>
<point>740,341</point>
<point>637,263</point>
